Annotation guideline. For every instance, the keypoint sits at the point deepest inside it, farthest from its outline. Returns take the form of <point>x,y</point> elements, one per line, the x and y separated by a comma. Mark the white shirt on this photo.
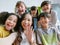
<point>8,40</point>
<point>25,41</point>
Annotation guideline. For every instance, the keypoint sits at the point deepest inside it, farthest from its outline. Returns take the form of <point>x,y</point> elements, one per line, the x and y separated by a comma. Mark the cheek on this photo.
<point>47,21</point>
<point>40,22</point>
<point>30,23</point>
<point>15,24</point>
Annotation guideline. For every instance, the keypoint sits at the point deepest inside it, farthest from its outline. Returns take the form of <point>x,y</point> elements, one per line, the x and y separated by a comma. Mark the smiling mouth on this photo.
<point>9,25</point>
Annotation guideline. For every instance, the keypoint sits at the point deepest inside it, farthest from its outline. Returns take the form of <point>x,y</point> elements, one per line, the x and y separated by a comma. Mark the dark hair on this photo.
<point>5,16</point>
<point>2,14</point>
<point>44,14</point>
<point>33,8</point>
<point>45,3</point>
<point>21,19</point>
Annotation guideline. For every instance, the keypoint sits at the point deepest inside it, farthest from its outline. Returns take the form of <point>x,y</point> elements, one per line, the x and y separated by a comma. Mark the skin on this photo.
<point>10,22</point>
<point>26,24</point>
<point>44,22</point>
<point>33,13</point>
<point>46,8</point>
<point>21,8</point>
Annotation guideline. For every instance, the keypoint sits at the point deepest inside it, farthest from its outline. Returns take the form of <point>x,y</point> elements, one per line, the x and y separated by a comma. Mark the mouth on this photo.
<point>8,25</point>
<point>25,25</point>
<point>20,10</point>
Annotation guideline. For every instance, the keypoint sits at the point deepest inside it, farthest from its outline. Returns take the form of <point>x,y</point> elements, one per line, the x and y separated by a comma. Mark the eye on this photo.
<point>28,19</point>
<point>15,21</point>
<point>9,19</point>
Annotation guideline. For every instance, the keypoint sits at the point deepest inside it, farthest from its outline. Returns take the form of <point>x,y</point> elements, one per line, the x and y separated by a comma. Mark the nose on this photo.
<point>11,22</point>
<point>26,22</point>
<point>20,8</point>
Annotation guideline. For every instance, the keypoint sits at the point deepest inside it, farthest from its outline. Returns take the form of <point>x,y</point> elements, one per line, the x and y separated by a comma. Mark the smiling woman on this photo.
<point>9,24</point>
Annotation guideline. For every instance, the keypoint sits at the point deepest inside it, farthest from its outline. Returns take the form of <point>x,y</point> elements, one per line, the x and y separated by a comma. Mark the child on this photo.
<point>20,8</point>
<point>34,13</point>
<point>47,7</point>
<point>45,34</point>
<point>27,32</point>
<point>10,22</point>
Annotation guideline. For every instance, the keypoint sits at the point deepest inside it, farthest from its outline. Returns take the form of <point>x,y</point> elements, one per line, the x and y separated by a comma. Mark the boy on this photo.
<point>45,35</point>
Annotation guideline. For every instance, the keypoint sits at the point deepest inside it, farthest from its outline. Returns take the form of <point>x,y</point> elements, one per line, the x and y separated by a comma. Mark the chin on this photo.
<point>8,29</point>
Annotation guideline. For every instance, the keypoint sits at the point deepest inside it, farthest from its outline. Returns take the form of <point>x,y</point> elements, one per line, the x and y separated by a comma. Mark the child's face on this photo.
<point>46,8</point>
<point>27,22</point>
<point>11,22</point>
<point>21,8</point>
<point>44,21</point>
<point>33,12</point>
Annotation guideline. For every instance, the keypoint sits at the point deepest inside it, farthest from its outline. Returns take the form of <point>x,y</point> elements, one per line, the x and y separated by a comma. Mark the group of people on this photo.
<point>29,28</point>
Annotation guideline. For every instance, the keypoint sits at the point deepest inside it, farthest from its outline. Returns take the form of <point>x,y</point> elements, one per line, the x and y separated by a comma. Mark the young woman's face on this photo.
<point>11,22</point>
<point>46,8</point>
<point>44,21</point>
<point>21,9</point>
<point>27,22</point>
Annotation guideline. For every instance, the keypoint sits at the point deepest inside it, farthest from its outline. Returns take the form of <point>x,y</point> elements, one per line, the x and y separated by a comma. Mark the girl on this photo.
<point>20,8</point>
<point>9,23</point>
<point>27,33</point>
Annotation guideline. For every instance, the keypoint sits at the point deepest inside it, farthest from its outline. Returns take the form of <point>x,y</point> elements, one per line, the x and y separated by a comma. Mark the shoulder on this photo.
<point>53,12</point>
<point>1,28</point>
<point>53,29</point>
<point>9,39</point>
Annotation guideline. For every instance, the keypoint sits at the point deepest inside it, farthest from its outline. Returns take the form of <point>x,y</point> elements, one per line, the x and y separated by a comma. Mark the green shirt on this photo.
<point>47,37</point>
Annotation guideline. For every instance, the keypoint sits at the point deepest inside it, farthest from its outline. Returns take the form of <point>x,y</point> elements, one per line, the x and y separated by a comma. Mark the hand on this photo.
<point>28,34</point>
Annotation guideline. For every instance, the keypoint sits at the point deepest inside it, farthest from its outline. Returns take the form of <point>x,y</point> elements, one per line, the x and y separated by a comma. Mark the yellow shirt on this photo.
<point>3,32</point>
